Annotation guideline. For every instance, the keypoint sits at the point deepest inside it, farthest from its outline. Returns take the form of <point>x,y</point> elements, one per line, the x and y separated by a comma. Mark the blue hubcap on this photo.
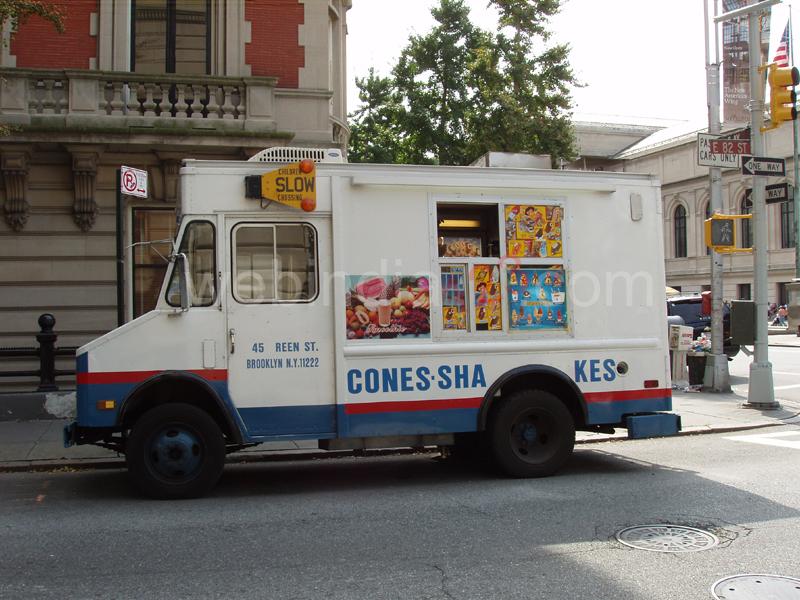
<point>176,453</point>
<point>528,432</point>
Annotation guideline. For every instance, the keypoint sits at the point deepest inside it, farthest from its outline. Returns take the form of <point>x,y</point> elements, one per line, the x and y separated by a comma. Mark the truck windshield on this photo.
<point>198,246</point>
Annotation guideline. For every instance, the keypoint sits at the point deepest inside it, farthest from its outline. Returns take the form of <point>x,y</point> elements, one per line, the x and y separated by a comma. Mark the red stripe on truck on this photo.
<point>137,376</point>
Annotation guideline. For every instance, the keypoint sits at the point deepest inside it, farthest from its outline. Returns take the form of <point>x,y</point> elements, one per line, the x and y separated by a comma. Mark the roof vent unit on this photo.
<point>287,154</point>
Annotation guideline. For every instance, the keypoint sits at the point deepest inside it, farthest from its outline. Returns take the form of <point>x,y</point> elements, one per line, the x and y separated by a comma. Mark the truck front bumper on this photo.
<point>76,435</point>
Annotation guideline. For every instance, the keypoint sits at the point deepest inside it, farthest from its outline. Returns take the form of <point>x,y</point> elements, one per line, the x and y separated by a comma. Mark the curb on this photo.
<point>87,464</point>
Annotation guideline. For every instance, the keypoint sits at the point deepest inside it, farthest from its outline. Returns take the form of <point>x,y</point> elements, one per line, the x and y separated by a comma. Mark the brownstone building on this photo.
<point>142,83</point>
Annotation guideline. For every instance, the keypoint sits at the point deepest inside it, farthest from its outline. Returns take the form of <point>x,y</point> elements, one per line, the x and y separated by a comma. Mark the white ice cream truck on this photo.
<point>369,306</point>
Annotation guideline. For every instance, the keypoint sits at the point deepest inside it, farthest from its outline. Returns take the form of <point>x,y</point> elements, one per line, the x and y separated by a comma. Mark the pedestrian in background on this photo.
<point>782,314</point>
<point>772,311</point>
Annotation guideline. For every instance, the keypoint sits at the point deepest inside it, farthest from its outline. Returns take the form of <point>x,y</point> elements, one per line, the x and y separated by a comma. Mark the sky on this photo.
<point>641,60</point>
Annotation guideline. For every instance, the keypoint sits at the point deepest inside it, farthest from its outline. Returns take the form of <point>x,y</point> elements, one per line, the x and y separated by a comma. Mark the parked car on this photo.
<point>689,308</point>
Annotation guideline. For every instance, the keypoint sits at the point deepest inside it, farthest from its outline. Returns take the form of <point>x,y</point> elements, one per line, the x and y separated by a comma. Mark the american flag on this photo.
<point>781,58</point>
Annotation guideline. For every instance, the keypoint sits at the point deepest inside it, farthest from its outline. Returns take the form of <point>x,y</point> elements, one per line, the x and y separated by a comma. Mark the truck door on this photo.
<point>280,326</point>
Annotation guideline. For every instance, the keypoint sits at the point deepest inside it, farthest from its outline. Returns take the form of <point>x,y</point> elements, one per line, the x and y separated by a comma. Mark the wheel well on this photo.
<point>552,381</point>
<point>178,389</point>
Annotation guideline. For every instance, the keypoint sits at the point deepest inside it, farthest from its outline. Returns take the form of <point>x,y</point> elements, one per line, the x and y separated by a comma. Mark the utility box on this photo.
<point>743,322</point>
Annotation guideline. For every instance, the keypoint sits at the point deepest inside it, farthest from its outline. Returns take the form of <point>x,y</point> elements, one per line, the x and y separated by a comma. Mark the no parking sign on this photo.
<point>133,182</point>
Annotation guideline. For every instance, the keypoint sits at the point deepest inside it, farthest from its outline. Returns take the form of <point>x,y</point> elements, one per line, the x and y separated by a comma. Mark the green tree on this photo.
<point>432,79</point>
<point>375,136</point>
<point>458,91</point>
<point>18,11</point>
<point>532,102</point>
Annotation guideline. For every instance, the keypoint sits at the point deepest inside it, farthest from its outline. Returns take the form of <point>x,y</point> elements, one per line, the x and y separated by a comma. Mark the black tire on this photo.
<point>175,451</point>
<point>531,433</point>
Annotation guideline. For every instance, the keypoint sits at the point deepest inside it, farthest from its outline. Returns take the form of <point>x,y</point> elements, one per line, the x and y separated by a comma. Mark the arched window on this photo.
<point>679,224</point>
<point>747,231</point>
<point>787,224</point>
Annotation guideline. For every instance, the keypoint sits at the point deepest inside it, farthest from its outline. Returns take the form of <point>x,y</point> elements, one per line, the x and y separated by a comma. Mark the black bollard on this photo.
<point>47,356</point>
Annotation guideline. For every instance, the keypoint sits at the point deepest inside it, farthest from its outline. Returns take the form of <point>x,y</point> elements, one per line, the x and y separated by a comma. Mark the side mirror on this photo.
<point>182,264</point>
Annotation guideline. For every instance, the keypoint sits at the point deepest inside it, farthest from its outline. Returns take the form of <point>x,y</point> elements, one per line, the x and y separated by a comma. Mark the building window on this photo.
<point>787,225</point>
<point>747,232</point>
<point>743,291</point>
<point>171,36</point>
<point>679,223</point>
<point>703,229</point>
<point>153,232</point>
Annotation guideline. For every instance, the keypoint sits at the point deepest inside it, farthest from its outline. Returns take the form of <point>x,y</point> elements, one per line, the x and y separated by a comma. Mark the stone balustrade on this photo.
<point>103,99</point>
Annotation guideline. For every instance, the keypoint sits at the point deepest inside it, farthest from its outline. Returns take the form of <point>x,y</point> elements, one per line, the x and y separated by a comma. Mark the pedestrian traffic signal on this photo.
<point>720,233</point>
<point>782,96</point>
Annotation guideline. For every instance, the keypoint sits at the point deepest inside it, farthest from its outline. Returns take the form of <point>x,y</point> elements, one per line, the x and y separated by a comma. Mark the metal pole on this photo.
<point>120,254</point>
<point>796,195</point>
<point>717,377</point>
<point>760,392</point>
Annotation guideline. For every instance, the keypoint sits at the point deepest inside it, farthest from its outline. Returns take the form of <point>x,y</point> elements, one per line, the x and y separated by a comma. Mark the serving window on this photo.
<point>502,266</point>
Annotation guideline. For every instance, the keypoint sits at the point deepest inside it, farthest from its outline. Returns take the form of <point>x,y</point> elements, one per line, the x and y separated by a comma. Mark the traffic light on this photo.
<point>720,233</point>
<point>782,96</point>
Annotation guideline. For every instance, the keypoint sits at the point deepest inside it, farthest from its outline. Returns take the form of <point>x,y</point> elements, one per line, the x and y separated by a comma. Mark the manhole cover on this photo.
<point>667,538</point>
<point>757,587</point>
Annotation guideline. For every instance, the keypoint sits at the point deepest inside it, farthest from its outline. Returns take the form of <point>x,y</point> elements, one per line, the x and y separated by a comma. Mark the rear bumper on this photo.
<point>652,425</point>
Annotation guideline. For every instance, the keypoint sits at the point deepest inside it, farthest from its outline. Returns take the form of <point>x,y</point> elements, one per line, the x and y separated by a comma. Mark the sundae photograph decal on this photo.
<point>387,307</point>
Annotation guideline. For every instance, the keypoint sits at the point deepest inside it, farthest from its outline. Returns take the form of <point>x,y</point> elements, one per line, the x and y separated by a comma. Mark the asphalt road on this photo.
<point>412,527</point>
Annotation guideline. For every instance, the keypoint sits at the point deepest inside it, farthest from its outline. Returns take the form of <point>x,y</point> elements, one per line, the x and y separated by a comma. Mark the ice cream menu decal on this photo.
<point>537,298</point>
<point>533,231</point>
<point>488,298</point>
<point>387,307</point>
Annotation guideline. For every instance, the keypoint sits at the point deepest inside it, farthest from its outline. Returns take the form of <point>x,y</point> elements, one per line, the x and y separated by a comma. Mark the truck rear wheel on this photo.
<point>175,451</point>
<point>532,434</point>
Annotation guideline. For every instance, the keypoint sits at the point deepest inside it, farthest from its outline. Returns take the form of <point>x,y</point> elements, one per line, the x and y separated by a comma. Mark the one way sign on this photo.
<point>761,165</point>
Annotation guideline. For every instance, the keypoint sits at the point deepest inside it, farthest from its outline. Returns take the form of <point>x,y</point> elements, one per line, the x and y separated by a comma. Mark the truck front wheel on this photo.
<point>532,434</point>
<point>175,451</point>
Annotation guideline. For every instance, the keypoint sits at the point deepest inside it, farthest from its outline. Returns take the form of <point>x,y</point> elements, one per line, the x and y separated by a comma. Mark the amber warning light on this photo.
<point>294,185</point>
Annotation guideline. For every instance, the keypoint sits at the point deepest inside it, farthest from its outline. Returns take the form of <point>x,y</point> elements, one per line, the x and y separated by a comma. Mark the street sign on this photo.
<point>706,158</point>
<point>762,165</point>
<point>778,192</point>
<point>735,142</point>
<point>293,185</point>
<point>726,146</point>
<point>133,182</point>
